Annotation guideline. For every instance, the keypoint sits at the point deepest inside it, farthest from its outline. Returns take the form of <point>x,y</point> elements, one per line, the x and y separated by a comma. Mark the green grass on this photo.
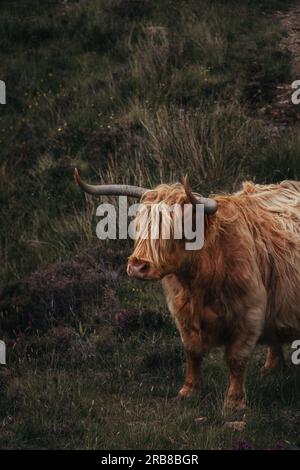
<point>137,92</point>
<point>104,85</point>
<point>111,392</point>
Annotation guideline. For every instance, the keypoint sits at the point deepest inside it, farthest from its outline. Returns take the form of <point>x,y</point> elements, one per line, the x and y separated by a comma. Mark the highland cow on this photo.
<point>241,288</point>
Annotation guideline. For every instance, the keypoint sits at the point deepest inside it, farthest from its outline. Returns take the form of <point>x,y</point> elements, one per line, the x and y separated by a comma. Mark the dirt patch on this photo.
<point>291,23</point>
<point>281,113</point>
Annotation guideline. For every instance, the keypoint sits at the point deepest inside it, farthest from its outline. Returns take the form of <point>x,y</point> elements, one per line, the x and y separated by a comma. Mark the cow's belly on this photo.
<point>282,326</point>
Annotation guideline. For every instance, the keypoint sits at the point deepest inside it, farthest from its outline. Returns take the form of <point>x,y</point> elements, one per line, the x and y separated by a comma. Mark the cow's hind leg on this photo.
<point>274,359</point>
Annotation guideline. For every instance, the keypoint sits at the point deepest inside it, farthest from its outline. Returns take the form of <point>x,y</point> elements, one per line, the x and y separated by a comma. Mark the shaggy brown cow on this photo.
<point>241,288</point>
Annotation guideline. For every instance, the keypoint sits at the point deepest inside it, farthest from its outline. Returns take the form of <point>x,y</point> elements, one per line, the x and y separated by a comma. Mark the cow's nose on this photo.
<point>137,269</point>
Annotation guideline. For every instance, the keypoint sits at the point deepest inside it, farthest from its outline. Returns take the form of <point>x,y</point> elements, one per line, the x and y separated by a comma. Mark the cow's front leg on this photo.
<point>250,312</point>
<point>191,338</point>
<point>192,382</point>
<point>236,395</point>
<point>188,325</point>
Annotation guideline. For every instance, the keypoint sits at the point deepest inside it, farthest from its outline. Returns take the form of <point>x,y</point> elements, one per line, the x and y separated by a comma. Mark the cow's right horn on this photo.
<point>109,189</point>
<point>210,205</point>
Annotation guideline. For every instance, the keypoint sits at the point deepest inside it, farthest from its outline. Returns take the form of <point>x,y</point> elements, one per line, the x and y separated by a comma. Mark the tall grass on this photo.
<point>141,92</point>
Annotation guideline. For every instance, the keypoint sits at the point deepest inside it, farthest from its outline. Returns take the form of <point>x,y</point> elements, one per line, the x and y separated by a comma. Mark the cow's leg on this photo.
<point>250,311</point>
<point>189,328</point>
<point>237,354</point>
<point>236,395</point>
<point>274,359</point>
<point>198,341</point>
<point>192,345</point>
<point>192,382</point>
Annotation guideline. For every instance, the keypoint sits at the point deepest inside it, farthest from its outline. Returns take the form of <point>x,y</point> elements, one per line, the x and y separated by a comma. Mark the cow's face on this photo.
<point>156,251</point>
<point>156,256</point>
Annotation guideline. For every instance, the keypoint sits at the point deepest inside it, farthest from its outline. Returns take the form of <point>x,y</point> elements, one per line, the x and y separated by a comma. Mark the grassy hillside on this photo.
<point>135,91</point>
<point>138,92</point>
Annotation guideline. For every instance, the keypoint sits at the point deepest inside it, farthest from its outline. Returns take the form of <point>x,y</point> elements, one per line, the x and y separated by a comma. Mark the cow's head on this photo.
<point>155,257</point>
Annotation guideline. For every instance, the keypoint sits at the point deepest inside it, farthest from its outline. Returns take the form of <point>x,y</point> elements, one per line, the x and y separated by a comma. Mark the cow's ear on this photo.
<point>210,205</point>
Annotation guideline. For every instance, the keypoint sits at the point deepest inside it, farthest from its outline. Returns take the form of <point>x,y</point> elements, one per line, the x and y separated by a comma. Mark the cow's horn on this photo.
<point>210,205</point>
<point>109,189</point>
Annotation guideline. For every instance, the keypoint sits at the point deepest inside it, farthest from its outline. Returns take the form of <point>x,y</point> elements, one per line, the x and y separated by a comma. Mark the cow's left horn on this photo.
<point>109,189</point>
<point>210,205</point>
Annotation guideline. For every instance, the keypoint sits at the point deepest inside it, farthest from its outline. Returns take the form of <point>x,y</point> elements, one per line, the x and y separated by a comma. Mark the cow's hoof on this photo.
<point>187,392</point>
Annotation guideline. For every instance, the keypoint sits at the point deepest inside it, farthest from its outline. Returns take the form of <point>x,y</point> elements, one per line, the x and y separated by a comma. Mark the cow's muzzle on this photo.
<point>141,269</point>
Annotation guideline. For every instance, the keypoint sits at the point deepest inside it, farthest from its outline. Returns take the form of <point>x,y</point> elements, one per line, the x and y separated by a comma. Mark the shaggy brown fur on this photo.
<point>242,287</point>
